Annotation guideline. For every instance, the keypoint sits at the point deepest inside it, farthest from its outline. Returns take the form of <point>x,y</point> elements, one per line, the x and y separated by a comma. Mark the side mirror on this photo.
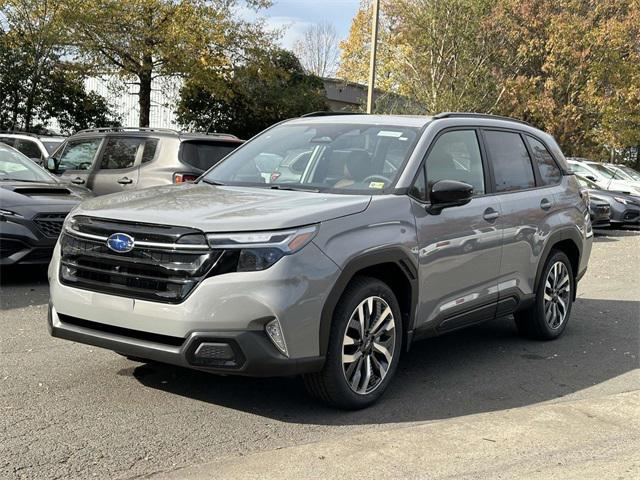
<point>592,178</point>
<point>50,164</point>
<point>448,193</point>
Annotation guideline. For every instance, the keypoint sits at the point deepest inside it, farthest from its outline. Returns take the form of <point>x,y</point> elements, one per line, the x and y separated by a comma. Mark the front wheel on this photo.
<point>364,347</point>
<point>547,318</point>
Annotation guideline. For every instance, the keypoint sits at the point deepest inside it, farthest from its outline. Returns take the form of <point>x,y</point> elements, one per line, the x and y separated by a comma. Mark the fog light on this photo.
<point>274,331</point>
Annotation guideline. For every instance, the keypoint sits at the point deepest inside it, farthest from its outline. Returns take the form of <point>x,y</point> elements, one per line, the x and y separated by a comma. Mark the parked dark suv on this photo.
<point>396,228</point>
<point>109,160</point>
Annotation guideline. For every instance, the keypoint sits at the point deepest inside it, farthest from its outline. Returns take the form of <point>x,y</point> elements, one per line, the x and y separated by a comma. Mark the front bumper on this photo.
<point>24,241</point>
<point>232,309</point>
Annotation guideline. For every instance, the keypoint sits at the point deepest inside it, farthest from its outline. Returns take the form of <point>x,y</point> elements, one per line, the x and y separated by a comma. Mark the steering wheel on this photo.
<point>385,180</point>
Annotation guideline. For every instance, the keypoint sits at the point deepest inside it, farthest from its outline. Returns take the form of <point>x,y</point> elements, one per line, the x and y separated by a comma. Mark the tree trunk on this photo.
<point>144,98</point>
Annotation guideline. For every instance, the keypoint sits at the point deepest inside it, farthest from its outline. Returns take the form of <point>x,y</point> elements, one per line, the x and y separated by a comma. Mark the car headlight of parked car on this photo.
<point>260,250</point>
<point>8,214</point>
<point>624,201</point>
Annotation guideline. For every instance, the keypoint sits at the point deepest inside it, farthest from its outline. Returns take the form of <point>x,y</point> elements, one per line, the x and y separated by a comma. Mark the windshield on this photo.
<point>344,158</point>
<point>15,166</point>
<point>602,170</point>
<point>630,171</point>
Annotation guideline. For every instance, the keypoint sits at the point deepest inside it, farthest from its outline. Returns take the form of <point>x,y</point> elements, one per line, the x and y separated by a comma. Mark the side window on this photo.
<point>28,148</point>
<point>78,154</point>
<point>419,188</point>
<point>456,156</point>
<point>8,141</point>
<point>120,153</point>
<point>549,171</point>
<point>150,147</point>
<point>511,163</point>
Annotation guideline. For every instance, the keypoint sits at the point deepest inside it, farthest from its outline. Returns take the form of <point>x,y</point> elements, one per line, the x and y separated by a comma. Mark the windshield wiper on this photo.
<point>212,182</point>
<point>295,189</point>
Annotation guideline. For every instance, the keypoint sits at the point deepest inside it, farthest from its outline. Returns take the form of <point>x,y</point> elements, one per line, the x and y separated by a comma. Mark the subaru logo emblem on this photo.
<point>120,242</point>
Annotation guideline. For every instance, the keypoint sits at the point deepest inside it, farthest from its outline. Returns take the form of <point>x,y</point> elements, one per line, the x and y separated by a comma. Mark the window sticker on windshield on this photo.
<point>389,133</point>
<point>376,185</point>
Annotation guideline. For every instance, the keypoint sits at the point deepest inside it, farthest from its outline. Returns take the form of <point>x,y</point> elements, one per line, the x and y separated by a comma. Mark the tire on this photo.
<point>346,385</point>
<point>543,321</point>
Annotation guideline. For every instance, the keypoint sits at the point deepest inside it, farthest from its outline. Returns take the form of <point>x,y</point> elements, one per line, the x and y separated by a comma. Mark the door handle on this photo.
<point>78,181</point>
<point>125,181</point>
<point>490,214</point>
<point>545,204</point>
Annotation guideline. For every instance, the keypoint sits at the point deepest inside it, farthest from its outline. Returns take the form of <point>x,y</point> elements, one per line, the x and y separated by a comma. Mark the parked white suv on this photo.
<point>36,147</point>
<point>605,178</point>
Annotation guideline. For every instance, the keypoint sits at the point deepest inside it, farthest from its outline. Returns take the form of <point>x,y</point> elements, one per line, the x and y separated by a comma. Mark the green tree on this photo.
<point>269,87</point>
<point>147,39</point>
<point>35,83</point>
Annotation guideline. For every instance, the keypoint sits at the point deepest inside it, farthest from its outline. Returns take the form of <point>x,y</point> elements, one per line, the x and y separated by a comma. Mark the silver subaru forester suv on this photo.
<point>396,228</point>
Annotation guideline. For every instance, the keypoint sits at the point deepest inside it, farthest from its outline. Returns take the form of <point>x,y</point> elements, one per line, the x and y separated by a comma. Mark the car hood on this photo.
<point>18,194</point>
<point>223,208</point>
<point>609,195</point>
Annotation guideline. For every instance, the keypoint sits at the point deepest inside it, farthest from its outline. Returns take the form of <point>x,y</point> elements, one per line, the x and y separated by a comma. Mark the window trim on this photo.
<point>488,175</point>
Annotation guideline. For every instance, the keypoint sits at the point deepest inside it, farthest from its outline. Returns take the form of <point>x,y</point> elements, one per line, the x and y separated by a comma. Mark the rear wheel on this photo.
<point>547,318</point>
<point>364,347</point>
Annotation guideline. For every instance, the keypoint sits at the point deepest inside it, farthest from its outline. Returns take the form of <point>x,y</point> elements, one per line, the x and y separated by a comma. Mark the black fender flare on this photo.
<point>566,233</point>
<point>396,255</point>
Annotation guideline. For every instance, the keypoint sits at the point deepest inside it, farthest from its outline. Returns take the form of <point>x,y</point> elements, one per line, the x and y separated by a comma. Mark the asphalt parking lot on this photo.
<point>74,411</point>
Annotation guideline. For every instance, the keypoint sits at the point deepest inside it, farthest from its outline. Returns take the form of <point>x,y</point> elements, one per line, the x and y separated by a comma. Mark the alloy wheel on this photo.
<point>557,295</point>
<point>368,345</point>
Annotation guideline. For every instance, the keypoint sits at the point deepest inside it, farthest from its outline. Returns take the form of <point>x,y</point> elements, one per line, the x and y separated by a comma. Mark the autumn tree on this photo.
<point>355,50</point>
<point>269,87</point>
<point>573,69</point>
<point>147,39</point>
<point>318,50</point>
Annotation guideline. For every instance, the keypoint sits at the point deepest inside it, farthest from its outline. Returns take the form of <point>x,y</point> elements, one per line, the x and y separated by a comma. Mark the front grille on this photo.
<point>155,273</point>
<point>50,224</point>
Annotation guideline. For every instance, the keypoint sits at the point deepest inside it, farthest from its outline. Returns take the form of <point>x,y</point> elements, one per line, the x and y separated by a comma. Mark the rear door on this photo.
<point>118,167</point>
<point>527,202</point>
<point>75,160</point>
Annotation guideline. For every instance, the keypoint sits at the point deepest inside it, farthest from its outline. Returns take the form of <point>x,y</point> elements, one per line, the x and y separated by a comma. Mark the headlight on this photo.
<point>624,201</point>
<point>8,214</point>
<point>260,250</point>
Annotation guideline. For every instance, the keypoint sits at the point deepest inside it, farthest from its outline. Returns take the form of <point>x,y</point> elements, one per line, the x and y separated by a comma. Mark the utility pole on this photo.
<point>374,51</point>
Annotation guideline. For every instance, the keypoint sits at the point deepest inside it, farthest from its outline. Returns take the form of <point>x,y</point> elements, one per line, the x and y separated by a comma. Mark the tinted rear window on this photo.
<point>511,163</point>
<point>203,155</point>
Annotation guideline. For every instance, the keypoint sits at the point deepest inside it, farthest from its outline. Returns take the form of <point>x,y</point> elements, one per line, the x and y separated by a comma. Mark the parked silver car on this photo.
<point>110,160</point>
<point>396,228</point>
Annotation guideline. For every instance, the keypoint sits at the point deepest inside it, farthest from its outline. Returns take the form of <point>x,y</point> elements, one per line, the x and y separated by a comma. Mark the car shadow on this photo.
<point>483,368</point>
<point>23,286</point>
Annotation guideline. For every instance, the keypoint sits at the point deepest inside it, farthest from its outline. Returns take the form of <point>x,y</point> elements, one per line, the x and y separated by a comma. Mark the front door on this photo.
<point>459,248</point>
<point>75,161</point>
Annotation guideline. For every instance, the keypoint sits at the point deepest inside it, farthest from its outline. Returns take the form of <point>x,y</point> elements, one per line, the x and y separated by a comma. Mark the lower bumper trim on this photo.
<point>255,355</point>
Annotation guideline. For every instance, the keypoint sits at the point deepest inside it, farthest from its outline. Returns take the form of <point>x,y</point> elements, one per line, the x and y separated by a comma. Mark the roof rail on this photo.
<point>478,115</point>
<point>128,129</point>
<point>211,134</point>
<point>329,114</point>
<point>30,134</point>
